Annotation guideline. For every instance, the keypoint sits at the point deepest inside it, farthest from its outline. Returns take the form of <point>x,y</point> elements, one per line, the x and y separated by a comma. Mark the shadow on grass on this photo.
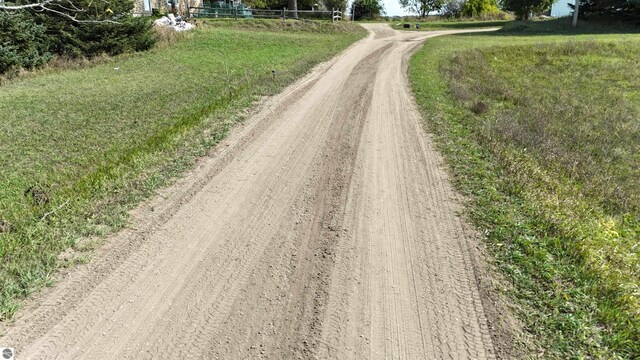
<point>562,26</point>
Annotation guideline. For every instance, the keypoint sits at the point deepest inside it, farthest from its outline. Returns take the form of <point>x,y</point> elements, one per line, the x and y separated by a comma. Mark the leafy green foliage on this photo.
<point>473,8</point>
<point>366,9</point>
<point>89,40</point>
<point>454,24</point>
<point>335,4</point>
<point>29,38</point>
<point>302,4</point>
<point>619,8</point>
<point>74,39</point>
<point>22,43</point>
<point>523,8</point>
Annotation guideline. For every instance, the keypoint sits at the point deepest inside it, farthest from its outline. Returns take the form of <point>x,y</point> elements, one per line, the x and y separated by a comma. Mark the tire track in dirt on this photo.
<point>325,227</point>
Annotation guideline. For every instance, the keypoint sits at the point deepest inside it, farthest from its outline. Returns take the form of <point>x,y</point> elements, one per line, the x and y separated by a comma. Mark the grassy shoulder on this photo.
<point>543,136</point>
<point>79,148</point>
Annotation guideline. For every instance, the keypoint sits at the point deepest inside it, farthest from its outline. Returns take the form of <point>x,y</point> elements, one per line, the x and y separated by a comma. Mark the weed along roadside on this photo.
<point>541,131</point>
<point>79,148</point>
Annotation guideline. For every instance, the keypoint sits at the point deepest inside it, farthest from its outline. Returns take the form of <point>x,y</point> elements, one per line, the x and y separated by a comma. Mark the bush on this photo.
<point>23,43</point>
<point>29,39</point>
<point>73,39</point>
<point>473,8</point>
<point>90,40</point>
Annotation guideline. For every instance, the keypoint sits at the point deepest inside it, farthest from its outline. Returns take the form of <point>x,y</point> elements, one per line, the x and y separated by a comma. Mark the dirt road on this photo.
<point>323,227</point>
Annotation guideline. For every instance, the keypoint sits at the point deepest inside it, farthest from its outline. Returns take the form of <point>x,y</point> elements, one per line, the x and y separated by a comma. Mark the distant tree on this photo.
<point>335,4</point>
<point>452,8</point>
<point>473,8</point>
<point>422,7</point>
<point>619,8</point>
<point>523,8</point>
<point>366,9</point>
<point>301,4</point>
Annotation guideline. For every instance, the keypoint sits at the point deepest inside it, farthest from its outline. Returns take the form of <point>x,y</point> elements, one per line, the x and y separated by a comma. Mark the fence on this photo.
<point>238,13</point>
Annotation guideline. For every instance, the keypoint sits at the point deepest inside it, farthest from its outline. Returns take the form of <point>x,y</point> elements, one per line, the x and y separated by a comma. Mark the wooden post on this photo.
<point>235,12</point>
<point>284,14</point>
<point>574,23</point>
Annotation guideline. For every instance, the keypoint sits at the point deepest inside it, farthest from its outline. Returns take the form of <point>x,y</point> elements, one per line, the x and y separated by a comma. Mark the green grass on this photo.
<point>306,26</point>
<point>542,133</point>
<point>450,25</point>
<point>79,148</point>
<point>562,26</point>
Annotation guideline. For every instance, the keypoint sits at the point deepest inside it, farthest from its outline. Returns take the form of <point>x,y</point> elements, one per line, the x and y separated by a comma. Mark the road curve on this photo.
<point>323,227</point>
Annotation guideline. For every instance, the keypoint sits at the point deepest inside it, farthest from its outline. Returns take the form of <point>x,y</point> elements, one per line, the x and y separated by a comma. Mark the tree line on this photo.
<point>522,9</point>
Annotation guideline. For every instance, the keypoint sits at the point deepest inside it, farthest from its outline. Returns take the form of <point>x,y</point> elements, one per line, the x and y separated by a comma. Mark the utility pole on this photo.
<point>575,14</point>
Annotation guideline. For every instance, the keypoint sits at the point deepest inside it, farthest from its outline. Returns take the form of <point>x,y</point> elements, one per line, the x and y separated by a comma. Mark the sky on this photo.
<point>392,8</point>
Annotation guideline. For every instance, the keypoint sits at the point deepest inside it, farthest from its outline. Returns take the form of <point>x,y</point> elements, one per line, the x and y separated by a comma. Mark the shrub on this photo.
<point>69,38</point>
<point>89,40</point>
<point>29,39</point>
<point>473,8</point>
<point>129,36</point>
<point>23,43</point>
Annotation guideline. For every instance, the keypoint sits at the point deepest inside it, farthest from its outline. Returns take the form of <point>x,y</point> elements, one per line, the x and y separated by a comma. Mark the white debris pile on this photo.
<point>176,23</point>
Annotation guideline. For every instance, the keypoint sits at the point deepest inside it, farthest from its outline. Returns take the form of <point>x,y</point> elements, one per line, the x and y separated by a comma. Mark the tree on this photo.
<point>293,6</point>
<point>301,4</point>
<point>64,8</point>
<point>89,28</point>
<point>523,8</point>
<point>629,9</point>
<point>366,9</point>
<point>422,7</point>
<point>70,28</point>
<point>452,8</point>
<point>335,4</point>
<point>473,8</point>
<point>22,43</point>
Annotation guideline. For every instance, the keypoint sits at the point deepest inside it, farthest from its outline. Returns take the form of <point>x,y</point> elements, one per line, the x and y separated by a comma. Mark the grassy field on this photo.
<point>542,133</point>
<point>79,148</point>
